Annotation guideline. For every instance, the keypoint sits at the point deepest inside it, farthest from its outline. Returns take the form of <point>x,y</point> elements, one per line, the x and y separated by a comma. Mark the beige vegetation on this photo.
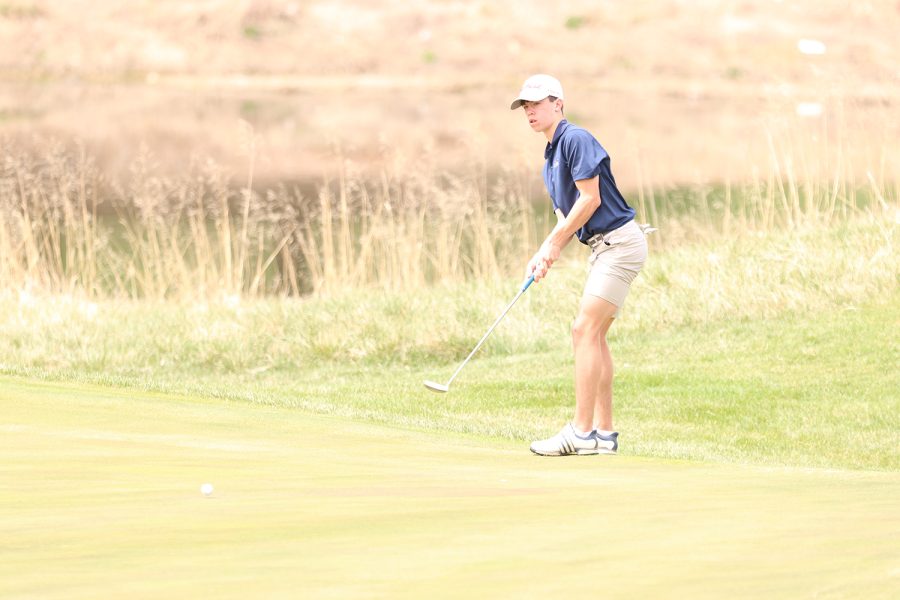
<point>678,91</point>
<point>402,108</point>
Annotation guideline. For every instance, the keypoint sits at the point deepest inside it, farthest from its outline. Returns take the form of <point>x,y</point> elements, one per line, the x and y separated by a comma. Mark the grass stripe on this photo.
<point>101,497</point>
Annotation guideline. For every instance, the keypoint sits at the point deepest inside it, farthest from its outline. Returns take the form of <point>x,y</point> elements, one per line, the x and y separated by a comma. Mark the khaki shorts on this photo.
<point>616,259</point>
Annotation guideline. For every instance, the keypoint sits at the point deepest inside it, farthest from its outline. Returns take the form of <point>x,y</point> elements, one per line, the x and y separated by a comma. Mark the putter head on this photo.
<point>436,387</point>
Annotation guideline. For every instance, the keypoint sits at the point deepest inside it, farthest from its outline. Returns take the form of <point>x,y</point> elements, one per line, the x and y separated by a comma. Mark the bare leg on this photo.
<point>593,364</point>
<point>603,403</point>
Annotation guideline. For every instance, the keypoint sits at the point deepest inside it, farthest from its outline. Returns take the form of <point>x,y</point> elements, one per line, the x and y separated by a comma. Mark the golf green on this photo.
<point>100,498</point>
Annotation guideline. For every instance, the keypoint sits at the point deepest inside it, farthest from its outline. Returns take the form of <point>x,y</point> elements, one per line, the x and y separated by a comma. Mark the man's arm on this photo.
<point>587,204</point>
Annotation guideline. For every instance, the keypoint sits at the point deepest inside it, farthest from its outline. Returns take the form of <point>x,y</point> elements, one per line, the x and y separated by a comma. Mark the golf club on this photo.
<point>445,387</point>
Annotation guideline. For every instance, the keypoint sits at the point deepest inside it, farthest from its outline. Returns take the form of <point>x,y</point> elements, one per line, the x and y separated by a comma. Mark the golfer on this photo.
<point>589,206</point>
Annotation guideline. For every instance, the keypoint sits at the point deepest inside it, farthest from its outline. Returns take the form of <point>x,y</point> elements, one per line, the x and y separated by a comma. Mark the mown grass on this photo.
<point>733,345</point>
<point>801,390</point>
<point>769,349</point>
<point>102,500</point>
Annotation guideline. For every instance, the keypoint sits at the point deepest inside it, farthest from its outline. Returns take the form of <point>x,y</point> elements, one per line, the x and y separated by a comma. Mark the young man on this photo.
<point>589,206</point>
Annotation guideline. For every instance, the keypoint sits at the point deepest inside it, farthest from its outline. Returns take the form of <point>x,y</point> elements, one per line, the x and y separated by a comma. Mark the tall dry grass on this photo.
<point>67,229</point>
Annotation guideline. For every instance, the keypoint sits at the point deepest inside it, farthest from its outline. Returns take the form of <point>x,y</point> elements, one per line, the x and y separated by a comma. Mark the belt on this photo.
<point>595,240</point>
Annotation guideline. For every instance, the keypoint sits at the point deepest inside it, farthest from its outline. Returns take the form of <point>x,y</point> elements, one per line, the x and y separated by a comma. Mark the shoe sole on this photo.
<point>579,452</point>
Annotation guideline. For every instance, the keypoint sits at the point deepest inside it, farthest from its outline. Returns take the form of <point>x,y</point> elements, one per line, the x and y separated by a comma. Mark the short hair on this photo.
<point>554,99</point>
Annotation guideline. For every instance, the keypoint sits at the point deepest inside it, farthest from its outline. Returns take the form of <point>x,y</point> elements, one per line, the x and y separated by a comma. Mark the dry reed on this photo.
<point>66,229</point>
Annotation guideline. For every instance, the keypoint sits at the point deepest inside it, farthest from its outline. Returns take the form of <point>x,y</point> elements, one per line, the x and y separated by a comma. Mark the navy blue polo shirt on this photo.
<point>574,155</point>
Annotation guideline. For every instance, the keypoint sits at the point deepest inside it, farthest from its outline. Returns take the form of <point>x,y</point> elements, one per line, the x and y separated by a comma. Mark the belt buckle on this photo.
<point>597,239</point>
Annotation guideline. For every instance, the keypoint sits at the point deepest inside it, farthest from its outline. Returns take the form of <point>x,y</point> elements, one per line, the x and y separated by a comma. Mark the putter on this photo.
<point>445,387</point>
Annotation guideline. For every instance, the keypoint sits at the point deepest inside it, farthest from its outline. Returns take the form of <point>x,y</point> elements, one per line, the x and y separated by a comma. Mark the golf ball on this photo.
<point>206,489</point>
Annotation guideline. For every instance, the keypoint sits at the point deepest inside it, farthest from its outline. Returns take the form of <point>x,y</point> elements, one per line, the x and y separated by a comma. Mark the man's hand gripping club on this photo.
<point>566,227</point>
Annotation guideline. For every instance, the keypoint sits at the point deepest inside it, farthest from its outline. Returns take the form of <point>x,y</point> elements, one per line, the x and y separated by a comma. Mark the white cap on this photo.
<point>538,87</point>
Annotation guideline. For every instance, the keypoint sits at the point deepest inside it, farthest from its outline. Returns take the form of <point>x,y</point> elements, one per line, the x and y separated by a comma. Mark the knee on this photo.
<point>585,330</point>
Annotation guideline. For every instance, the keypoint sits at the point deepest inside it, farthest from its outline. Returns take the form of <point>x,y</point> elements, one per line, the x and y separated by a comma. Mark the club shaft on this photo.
<point>500,318</point>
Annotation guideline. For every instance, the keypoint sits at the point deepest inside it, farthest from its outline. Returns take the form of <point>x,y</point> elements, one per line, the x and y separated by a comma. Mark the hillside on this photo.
<point>679,91</point>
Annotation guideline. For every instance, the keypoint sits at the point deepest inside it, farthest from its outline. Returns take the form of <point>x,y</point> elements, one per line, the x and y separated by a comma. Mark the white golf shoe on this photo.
<point>568,442</point>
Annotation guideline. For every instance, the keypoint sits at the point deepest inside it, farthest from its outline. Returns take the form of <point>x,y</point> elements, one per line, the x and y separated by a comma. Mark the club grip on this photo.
<point>527,282</point>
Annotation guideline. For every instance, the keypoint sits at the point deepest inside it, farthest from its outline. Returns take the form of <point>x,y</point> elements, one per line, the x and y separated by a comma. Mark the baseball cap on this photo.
<point>538,87</point>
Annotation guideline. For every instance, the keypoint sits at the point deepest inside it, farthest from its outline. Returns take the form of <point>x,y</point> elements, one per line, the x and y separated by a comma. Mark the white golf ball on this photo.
<point>206,489</point>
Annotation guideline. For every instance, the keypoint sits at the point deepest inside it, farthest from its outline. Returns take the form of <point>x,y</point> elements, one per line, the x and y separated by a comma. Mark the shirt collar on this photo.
<point>563,125</point>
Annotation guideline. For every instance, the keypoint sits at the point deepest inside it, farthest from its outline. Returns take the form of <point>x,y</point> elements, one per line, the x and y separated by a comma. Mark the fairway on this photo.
<point>100,498</point>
